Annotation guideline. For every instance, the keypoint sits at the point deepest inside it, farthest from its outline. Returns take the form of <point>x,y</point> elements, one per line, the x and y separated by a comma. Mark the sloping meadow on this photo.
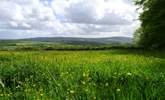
<point>82,75</point>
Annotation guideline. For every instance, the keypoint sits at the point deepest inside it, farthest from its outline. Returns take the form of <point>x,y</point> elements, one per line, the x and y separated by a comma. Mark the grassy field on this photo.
<point>82,75</point>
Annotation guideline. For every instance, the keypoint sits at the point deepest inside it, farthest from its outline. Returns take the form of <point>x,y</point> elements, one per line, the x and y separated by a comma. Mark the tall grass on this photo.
<point>82,75</point>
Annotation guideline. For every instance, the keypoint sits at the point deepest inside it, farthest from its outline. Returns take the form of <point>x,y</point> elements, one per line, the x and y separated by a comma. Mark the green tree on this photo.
<point>152,30</point>
<point>137,35</point>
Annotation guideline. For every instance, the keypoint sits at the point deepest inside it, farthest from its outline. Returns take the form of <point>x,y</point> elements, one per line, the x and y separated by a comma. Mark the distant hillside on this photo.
<point>65,43</point>
<point>83,41</point>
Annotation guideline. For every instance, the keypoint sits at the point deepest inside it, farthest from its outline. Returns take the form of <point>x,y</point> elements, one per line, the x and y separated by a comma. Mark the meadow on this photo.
<point>82,75</point>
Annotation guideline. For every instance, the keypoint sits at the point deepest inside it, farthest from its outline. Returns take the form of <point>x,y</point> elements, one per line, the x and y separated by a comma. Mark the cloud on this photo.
<point>13,24</point>
<point>95,11</point>
<point>95,18</point>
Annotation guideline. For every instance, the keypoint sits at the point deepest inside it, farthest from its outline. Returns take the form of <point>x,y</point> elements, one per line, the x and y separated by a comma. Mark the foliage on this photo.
<point>152,32</point>
<point>137,35</point>
<point>82,75</point>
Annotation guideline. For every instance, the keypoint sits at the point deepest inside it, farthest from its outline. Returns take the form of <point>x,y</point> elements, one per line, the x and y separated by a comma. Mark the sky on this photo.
<point>67,18</point>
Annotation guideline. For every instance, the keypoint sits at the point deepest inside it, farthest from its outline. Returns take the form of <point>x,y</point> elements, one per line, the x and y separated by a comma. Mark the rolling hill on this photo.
<point>65,43</point>
<point>83,41</point>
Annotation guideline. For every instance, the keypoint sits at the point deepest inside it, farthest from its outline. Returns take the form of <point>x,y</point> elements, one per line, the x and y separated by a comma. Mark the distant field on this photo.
<point>65,43</point>
<point>82,75</point>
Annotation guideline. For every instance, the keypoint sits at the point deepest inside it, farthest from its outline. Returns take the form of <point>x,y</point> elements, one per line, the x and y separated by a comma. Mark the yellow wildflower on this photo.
<point>118,90</point>
<point>71,91</point>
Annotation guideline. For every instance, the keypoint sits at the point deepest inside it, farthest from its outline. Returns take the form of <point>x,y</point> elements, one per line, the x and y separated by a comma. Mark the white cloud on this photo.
<point>13,24</point>
<point>95,18</point>
<point>95,11</point>
<point>26,25</point>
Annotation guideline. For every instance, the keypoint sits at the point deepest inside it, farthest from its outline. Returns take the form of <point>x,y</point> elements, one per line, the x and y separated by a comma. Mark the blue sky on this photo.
<point>69,18</point>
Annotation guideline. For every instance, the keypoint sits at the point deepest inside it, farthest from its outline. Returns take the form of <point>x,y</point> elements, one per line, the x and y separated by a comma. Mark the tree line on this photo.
<point>151,33</point>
